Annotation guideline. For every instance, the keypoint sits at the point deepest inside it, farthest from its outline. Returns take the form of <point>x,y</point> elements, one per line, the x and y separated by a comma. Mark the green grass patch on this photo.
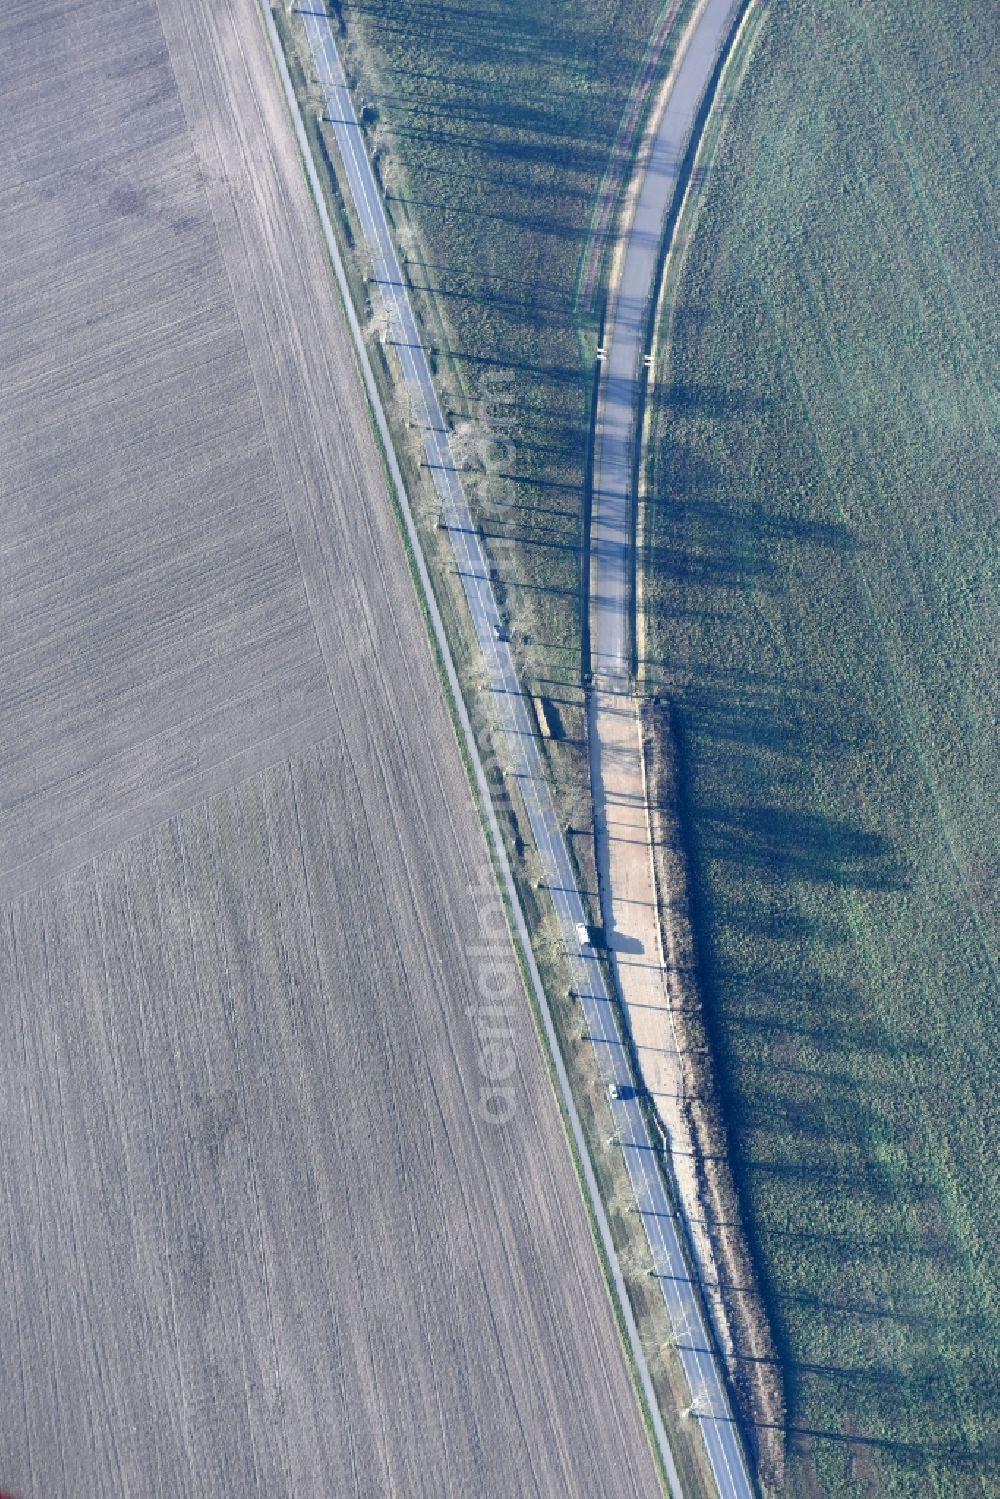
<point>820,578</point>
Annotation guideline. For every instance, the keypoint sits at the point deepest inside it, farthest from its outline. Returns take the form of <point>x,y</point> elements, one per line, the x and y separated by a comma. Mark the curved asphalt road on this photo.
<point>626,336</point>
<point>612,522</point>
<point>643,1163</point>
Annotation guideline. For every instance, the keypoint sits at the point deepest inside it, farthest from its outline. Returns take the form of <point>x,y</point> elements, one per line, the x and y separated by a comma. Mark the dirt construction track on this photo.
<point>255,1236</point>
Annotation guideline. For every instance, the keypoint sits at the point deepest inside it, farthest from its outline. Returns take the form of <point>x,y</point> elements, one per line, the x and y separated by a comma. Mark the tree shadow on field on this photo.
<point>844,1215</point>
<point>780,844</point>
<point>496,147</point>
<point>483,40</point>
<point>727,541</point>
<point>518,312</point>
<point>759,722</point>
<point>793,1048</point>
<point>541,221</point>
<point>710,400</point>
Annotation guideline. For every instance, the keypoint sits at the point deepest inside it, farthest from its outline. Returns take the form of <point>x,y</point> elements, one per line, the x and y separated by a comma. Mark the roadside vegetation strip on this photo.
<point>596,1206</point>
<point>821,613</point>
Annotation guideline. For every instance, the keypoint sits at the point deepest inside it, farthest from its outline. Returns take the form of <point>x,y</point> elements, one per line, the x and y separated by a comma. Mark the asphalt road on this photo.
<point>626,342</point>
<point>708,1402</point>
<point>612,528</point>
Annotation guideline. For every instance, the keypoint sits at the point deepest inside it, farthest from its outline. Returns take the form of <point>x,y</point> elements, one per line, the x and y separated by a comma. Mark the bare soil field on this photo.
<point>256,1236</point>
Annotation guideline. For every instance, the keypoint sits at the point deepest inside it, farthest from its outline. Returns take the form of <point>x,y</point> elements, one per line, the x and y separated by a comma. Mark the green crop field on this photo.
<point>821,585</point>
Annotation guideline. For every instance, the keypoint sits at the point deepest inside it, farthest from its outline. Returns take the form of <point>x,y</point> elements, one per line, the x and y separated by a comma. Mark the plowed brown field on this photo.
<point>255,1236</point>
